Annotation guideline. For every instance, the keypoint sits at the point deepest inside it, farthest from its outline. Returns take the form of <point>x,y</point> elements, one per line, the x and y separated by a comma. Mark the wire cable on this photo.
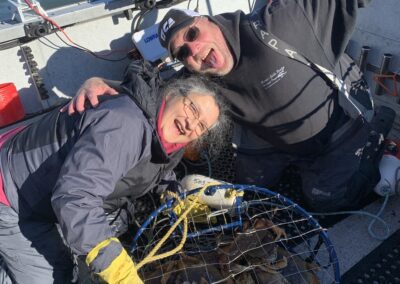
<point>207,158</point>
<point>374,216</point>
<point>140,18</point>
<point>72,43</point>
<point>196,9</point>
<point>89,51</point>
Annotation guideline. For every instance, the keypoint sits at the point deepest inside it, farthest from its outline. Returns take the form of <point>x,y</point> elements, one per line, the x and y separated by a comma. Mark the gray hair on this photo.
<point>203,86</point>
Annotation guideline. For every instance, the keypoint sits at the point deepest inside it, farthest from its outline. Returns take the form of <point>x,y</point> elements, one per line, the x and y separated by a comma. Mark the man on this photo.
<point>298,98</point>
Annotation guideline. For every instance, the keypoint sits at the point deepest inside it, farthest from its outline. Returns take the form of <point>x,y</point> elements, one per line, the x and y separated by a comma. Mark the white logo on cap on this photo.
<point>167,25</point>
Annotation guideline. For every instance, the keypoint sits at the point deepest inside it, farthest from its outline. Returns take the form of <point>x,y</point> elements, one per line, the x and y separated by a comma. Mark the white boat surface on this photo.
<point>102,26</point>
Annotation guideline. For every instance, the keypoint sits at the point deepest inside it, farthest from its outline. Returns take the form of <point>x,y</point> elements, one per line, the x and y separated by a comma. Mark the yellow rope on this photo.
<point>183,217</point>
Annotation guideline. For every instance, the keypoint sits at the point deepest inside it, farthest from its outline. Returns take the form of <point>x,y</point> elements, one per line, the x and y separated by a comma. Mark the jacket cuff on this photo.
<point>101,256</point>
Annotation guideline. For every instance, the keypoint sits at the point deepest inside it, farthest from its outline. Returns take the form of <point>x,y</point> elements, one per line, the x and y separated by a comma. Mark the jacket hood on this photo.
<point>229,24</point>
<point>142,83</point>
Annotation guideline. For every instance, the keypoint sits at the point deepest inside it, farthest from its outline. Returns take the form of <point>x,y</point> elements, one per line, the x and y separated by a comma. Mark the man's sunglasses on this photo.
<point>184,51</point>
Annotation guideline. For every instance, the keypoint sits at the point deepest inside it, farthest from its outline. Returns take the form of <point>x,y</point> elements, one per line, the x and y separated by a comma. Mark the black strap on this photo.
<point>351,106</point>
<point>285,49</point>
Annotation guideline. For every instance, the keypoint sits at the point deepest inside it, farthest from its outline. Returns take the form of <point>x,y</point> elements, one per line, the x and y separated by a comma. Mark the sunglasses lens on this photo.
<point>192,34</point>
<point>183,52</point>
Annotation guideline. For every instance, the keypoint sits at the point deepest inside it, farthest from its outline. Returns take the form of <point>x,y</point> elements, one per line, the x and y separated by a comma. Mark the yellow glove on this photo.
<point>121,269</point>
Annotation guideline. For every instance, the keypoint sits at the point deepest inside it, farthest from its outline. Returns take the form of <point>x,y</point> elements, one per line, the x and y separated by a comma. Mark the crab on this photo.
<point>253,255</point>
<point>256,242</point>
<point>187,269</point>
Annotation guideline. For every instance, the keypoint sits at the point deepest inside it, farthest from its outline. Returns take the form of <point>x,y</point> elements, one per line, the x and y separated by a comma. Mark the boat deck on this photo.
<point>63,69</point>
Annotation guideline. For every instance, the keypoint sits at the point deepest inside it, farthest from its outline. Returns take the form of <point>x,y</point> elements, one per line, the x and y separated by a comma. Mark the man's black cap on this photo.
<point>173,21</point>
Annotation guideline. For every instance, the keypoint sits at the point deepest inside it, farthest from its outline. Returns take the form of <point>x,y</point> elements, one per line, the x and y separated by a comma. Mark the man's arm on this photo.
<point>90,90</point>
<point>96,86</point>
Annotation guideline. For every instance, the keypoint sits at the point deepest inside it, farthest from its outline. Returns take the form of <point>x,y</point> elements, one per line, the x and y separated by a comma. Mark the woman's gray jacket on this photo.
<point>65,168</point>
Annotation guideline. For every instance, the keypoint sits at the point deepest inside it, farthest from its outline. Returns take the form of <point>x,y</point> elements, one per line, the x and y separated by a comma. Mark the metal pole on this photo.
<point>362,61</point>
<point>387,57</point>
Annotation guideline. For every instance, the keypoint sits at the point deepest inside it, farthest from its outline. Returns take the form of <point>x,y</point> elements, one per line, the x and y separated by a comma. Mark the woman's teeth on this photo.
<point>179,127</point>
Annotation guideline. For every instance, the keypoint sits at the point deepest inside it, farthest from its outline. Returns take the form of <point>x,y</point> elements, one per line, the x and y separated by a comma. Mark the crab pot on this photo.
<point>11,109</point>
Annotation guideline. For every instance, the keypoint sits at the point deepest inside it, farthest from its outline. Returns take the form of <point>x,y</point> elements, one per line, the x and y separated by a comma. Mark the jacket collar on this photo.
<point>142,83</point>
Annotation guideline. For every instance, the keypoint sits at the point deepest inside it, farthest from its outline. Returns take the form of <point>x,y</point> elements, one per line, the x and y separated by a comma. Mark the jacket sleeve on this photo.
<point>320,30</point>
<point>108,146</point>
<point>168,183</point>
<point>116,85</point>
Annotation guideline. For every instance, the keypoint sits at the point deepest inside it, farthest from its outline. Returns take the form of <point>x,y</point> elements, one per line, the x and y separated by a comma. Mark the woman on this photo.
<point>66,168</point>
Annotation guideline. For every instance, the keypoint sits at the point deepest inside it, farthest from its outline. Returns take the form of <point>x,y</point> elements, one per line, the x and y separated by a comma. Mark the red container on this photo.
<point>11,109</point>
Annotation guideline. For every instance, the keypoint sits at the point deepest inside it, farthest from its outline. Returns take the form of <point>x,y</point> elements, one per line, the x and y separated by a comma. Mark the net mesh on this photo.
<point>259,238</point>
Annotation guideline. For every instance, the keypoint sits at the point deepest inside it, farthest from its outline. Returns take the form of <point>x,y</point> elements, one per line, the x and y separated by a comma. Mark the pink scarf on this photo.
<point>168,147</point>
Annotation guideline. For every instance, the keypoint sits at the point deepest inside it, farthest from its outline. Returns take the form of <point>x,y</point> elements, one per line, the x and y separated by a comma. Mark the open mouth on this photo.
<point>210,59</point>
<point>179,126</point>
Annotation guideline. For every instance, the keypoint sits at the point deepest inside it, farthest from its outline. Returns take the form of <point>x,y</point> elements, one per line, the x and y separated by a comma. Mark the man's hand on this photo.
<point>89,91</point>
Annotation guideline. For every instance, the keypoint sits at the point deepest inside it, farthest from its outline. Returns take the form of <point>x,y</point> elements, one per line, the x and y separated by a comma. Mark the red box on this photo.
<point>11,109</point>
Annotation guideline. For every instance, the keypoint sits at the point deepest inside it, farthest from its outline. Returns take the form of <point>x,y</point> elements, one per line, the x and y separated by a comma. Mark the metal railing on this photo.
<point>382,73</point>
